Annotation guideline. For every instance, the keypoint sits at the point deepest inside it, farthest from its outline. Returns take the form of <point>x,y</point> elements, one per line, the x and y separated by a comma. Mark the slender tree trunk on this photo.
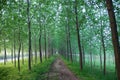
<point>14,49</point>
<point>100,59</point>
<point>67,48</point>
<point>12,53</point>
<point>29,32</point>
<point>19,40</point>
<point>35,45</point>
<point>22,52</point>
<point>19,50</point>
<point>115,38</point>
<point>45,42</point>
<point>103,45</point>
<point>5,54</point>
<point>78,36</point>
<point>69,41</point>
<point>19,56</point>
<point>40,38</point>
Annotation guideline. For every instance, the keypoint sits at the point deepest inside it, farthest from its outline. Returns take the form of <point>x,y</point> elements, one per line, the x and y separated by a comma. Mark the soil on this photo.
<point>59,71</point>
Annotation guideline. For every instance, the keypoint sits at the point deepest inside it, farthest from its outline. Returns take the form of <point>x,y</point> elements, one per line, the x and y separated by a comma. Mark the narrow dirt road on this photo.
<point>59,71</point>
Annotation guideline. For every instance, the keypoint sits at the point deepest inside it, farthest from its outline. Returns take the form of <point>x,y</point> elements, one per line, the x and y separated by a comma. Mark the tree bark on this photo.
<point>35,46</point>
<point>45,42</point>
<point>5,54</point>
<point>67,45</point>
<point>22,52</point>
<point>14,49</point>
<point>103,45</point>
<point>29,32</point>
<point>71,58</point>
<point>12,53</point>
<point>40,49</point>
<point>19,39</point>
<point>115,39</point>
<point>19,50</point>
<point>78,36</point>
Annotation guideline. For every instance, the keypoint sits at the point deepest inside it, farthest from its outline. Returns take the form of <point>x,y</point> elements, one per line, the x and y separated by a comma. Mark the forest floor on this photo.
<point>59,71</point>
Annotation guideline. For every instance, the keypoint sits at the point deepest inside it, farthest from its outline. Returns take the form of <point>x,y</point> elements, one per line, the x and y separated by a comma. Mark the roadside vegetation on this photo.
<point>9,72</point>
<point>89,73</point>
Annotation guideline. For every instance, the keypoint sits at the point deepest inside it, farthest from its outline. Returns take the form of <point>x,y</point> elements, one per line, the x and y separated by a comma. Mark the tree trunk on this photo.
<point>67,48</point>
<point>29,32</point>
<point>45,42</point>
<point>103,45</point>
<point>14,49</point>
<point>19,56</point>
<point>19,50</point>
<point>69,42</point>
<point>35,46</point>
<point>78,36</point>
<point>5,54</point>
<point>19,40</point>
<point>12,53</point>
<point>22,52</point>
<point>40,49</point>
<point>115,38</point>
<point>100,59</point>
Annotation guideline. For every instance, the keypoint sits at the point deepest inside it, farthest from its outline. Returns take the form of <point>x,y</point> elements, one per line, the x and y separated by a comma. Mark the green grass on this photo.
<point>9,72</point>
<point>90,74</point>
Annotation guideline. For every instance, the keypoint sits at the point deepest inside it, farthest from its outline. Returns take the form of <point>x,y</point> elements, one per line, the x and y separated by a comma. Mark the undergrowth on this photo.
<point>9,72</point>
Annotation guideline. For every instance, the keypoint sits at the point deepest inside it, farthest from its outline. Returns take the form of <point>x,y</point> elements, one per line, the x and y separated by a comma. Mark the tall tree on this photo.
<point>29,32</point>
<point>19,38</point>
<point>115,39</point>
<point>78,35</point>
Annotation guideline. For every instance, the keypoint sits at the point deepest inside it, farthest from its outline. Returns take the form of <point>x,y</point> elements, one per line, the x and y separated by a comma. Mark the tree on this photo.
<point>29,29</point>
<point>78,36</point>
<point>115,39</point>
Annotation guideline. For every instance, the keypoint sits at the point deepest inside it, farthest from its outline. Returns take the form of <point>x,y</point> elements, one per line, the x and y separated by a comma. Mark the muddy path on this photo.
<point>59,71</point>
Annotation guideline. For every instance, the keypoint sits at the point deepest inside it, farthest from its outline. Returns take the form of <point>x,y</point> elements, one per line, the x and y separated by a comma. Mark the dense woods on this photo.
<point>85,32</point>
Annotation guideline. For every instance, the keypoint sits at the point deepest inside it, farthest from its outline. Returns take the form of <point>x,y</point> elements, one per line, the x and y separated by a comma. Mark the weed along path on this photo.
<point>59,71</point>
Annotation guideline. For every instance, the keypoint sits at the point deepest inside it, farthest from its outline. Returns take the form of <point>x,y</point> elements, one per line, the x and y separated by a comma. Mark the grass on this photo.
<point>9,72</point>
<point>90,74</point>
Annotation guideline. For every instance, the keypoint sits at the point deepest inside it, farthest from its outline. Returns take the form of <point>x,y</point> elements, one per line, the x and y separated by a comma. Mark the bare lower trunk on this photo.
<point>67,48</point>
<point>35,46</point>
<point>19,56</point>
<point>29,32</point>
<point>12,53</point>
<point>22,53</point>
<point>40,50</point>
<point>14,49</point>
<point>5,54</point>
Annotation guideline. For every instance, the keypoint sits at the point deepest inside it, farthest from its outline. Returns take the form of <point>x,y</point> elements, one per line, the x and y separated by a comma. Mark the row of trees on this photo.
<point>27,28</point>
<point>71,28</point>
